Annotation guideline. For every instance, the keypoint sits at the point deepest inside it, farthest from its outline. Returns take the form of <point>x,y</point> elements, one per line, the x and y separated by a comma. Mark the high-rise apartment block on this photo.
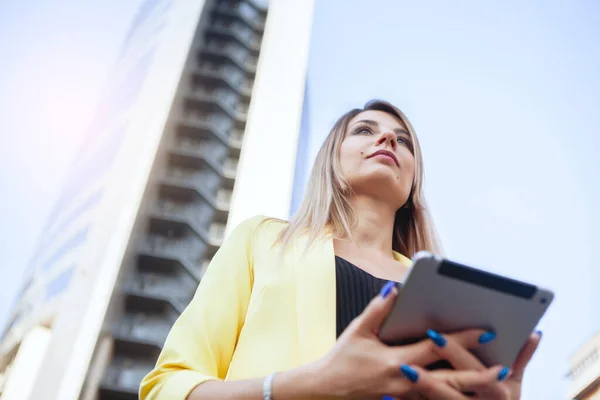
<point>197,131</point>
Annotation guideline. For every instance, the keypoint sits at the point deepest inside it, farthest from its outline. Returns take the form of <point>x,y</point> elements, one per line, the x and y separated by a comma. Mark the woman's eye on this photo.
<point>364,131</point>
<point>403,141</point>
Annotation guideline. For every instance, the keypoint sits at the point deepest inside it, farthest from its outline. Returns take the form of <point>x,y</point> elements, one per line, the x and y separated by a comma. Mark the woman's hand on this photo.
<point>516,379</point>
<point>361,366</point>
<point>474,377</point>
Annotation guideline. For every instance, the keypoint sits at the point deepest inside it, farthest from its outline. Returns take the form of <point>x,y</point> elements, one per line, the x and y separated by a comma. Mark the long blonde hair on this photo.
<point>326,209</point>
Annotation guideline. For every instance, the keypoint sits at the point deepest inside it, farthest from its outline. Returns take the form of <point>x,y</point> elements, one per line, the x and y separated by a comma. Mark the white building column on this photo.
<point>265,173</point>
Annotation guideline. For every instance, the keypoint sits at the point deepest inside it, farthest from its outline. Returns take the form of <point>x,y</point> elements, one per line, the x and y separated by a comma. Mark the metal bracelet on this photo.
<point>268,387</point>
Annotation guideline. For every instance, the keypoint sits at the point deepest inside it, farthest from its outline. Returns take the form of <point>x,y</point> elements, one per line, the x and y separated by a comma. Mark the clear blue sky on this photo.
<point>504,97</point>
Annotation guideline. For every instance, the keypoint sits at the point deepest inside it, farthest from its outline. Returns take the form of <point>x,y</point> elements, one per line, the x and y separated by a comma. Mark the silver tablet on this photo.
<point>445,296</point>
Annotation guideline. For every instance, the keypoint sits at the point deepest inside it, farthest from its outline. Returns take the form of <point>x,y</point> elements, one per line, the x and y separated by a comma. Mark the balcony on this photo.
<point>140,331</point>
<point>146,263</point>
<point>223,200</point>
<point>222,101</point>
<point>230,167</point>
<point>176,225</point>
<point>205,183</point>
<point>236,137</point>
<point>122,378</point>
<point>227,50</point>
<point>200,148</point>
<point>235,79</point>
<point>195,122</point>
<point>231,29</point>
<point>184,250</point>
<point>243,11</point>
<point>181,239</point>
<point>205,177</point>
<point>217,104</point>
<point>218,89</point>
<point>205,265</point>
<point>193,213</point>
<point>205,174</point>
<point>199,211</point>
<point>176,289</point>
<point>217,234</point>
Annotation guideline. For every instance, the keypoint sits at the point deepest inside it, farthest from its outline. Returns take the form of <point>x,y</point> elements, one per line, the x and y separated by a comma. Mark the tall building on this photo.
<point>198,130</point>
<point>585,371</point>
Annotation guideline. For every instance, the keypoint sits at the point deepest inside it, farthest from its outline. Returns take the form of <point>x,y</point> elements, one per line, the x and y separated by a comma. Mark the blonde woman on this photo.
<point>291,310</point>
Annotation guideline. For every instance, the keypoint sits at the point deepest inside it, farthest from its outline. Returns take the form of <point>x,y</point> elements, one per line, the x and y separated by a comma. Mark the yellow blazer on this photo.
<point>253,314</point>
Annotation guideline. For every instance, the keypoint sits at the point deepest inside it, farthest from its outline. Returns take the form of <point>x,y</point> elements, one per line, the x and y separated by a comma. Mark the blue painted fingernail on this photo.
<point>409,373</point>
<point>438,339</point>
<point>487,337</point>
<point>539,333</point>
<point>387,398</point>
<point>387,289</point>
<point>503,373</point>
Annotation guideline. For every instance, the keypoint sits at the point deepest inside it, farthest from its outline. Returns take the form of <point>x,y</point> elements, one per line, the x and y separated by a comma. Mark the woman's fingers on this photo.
<point>449,349</point>
<point>451,384</point>
<point>453,348</point>
<point>525,355</point>
<point>424,383</point>
<point>487,383</point>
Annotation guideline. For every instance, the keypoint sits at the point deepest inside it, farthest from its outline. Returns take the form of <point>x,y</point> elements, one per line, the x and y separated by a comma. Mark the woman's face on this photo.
<point>376,157</point>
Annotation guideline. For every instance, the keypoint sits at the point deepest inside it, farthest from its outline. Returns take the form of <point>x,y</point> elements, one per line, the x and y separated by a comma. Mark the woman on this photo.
<point>291,310</point>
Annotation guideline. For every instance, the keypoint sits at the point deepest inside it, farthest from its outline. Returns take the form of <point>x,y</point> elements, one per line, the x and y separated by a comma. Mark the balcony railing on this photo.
<point>204,182</point>
<point>235,79</point>
<point>217,121</point>
<point>240,10</point>
<point>220,92</point>
<point>236,136</point>
<point>173,288</point>
<point>241,32</point>
<point>230,104</point>
<point>237,54</point>
<point>223,200</point>
<point>125,377</point>
<point>152,330</point>
<point>217,234</point>
<point>230,167</point>
<point>205,265</point>
<point>190,251</point>
<point>207,149</point>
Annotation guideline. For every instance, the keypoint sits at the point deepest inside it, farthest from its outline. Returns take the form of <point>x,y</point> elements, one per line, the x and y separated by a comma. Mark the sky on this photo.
<point>504,99</point>
<point>56,59</point>
<point>503,96</point>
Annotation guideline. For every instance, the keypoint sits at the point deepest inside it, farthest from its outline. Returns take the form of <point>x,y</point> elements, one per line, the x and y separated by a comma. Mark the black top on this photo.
<point>355,288</point>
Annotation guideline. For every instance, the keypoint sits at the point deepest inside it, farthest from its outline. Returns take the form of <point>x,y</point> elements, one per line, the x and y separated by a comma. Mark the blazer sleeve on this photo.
<point>201,343</point>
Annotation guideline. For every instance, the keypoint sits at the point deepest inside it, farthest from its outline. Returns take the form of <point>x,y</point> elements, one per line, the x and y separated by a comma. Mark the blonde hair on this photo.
<point>326,209</point>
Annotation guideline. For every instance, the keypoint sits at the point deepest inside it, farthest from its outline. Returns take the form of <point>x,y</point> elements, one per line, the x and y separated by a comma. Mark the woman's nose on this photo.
<point>388,136</point>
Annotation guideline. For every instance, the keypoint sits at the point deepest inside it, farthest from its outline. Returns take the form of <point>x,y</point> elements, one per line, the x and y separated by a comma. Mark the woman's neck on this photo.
<point>373,231</point>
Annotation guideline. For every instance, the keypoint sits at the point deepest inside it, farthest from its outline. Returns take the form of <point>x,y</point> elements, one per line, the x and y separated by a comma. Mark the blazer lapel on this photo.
<point>401,258</point>
<point>315,299</point>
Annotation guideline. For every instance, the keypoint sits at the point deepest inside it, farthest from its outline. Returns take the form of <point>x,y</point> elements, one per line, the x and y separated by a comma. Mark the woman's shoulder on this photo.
<point>259,226</point>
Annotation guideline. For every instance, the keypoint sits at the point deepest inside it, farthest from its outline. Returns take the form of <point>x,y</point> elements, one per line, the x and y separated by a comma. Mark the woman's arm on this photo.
<point>295,384</point>
<point>201,343</point>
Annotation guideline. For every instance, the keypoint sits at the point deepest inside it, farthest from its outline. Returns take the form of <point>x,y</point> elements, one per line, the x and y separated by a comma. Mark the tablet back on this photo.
<point>445,296</point>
